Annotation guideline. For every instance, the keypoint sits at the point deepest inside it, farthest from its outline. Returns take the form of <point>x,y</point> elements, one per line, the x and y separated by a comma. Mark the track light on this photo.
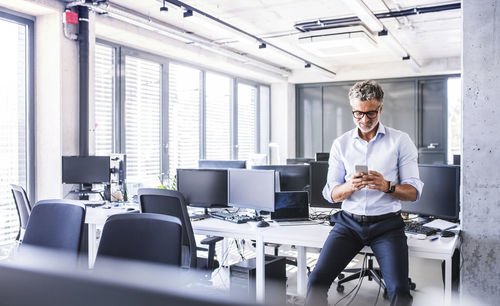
<point>187,13</point>
<point>262,46</point>
<point>163,8</point>
<point>307,65</point>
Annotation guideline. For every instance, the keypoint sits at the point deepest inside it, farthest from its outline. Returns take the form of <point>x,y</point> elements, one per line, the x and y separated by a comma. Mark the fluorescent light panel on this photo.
<point>365,14</point>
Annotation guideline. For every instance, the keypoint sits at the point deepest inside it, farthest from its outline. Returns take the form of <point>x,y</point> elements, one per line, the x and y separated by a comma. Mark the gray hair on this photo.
<point>366,91</point>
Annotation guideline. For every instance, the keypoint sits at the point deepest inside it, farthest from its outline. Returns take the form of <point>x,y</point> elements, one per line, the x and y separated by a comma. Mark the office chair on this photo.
<point>370,271</point>
<point>172,203</point>
<point>147,237</point>
<point>55,224</point>
<point>23,208</point>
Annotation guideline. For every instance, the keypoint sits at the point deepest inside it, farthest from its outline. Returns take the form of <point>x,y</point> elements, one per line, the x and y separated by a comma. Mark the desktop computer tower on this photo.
<point>243,274</point>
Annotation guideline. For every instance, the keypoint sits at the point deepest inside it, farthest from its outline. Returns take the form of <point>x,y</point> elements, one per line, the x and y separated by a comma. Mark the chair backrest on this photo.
<point>56,224</point>
<point>22,204</point>
<point>146,237</point>
<point>171,203</point>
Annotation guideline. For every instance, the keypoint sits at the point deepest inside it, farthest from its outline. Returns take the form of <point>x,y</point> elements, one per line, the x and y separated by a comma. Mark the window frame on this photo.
<point>29,119</point>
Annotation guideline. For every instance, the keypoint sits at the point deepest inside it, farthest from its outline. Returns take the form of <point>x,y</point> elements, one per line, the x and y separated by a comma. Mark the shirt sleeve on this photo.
<point>408,165</point>
<point>336,172</point>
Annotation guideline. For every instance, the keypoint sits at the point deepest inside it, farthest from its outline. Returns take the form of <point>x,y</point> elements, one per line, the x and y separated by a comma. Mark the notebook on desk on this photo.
<point>291,208</point>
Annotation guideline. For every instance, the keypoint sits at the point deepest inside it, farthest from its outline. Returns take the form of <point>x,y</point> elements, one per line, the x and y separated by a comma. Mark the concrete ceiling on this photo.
<point>433,40</point>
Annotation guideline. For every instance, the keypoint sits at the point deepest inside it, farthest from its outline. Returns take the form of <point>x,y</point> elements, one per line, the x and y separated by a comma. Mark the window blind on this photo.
<point>247,121</point>
<point>13,102</point>
<point>218,117</point>
<point>103,100</point>
<point>183,117</point>
<point>142,120</point>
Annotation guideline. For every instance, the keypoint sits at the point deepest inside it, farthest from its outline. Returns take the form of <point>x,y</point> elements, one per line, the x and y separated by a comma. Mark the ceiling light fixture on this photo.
<point>163,8</point>
<point>187,13</point>
<point>365,15</point>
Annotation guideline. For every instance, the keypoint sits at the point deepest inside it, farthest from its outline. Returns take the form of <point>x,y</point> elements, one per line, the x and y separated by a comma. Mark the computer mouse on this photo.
<point>130,209</point>
<point>262,223</point>
<point>421,236</point>
<point>447,234</point>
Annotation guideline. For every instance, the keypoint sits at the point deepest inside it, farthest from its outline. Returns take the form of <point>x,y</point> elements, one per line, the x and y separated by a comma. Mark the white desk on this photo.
<point>314,236</point>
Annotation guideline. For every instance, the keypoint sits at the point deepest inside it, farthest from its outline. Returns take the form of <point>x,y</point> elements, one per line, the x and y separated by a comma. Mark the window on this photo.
<point>247,121</point>
<point>183,117</point>
<point>218,101</point>
<point>142,120</point>
<point>15,117</point>
<point>103,109</point>
<point>166,115</point>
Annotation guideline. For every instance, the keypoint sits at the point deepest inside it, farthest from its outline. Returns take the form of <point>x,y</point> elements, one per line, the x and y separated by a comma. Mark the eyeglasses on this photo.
<point>371,114</point>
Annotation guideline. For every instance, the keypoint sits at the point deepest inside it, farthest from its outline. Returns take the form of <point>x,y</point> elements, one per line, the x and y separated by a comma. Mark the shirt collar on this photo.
<point>380,130</point>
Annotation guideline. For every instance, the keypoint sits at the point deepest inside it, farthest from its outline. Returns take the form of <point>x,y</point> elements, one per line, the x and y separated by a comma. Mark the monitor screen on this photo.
<point>221,164</point>
<point>249,188</point>
<point>322,156</point>
<point>291,205</point>
<point>441,193</point>
<point>85,169</point>
<point>298,161</point>
<point>319,172</point>
<point>292,177</point>
<point>203,187</point>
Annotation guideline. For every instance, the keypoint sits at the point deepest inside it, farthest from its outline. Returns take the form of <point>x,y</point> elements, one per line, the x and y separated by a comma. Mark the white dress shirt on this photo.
<point>391,153</point>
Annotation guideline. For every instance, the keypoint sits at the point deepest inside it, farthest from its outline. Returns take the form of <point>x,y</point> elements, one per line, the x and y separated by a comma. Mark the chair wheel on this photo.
<point>341,276</point>
<point>413,286</point>
<point>385,295</point>
<point>340,288</point>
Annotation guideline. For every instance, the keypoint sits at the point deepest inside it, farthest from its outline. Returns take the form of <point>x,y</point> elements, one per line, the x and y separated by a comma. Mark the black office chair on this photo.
<point>172,203</point>
<point>146,237</point>
<point>55,224</point>
<point>23,208</point>
<point>370,271</point>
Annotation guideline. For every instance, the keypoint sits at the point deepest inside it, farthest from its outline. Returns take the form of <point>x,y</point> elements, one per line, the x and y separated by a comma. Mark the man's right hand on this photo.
<point>356,181</point>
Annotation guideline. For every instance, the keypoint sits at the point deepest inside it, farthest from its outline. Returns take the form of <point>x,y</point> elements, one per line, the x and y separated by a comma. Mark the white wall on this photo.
<point>283,120</point>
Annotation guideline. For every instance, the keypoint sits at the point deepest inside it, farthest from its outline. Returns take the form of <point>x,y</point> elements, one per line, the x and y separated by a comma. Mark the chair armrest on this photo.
<point>211,240</point>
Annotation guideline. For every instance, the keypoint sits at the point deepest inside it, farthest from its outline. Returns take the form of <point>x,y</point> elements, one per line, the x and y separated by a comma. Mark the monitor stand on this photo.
<point>84,191</point>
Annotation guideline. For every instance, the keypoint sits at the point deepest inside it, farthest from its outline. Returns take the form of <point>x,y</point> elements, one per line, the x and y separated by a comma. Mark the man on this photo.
<point>371,202</point>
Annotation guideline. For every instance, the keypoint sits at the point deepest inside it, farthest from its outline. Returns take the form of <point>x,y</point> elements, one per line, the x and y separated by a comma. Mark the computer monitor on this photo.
<point>203,187</point>
<point>292,177</point>
<point>441,194</point>
<point>318,174</point>
<point>298,161</point>
<point>322,156</point>
<point>250,188</point>
<point>221,164</point>
<point>291,205</point>
<point>85,170</point>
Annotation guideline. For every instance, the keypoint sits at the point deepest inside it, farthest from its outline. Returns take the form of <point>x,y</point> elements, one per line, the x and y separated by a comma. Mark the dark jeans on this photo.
<point>387,240</point>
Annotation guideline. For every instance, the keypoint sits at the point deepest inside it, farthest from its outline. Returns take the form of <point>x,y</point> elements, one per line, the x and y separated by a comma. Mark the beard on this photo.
<point>367,127</point>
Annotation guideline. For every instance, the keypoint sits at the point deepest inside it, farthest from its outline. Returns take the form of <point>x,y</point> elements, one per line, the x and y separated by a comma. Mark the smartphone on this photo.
<point>361,168</point>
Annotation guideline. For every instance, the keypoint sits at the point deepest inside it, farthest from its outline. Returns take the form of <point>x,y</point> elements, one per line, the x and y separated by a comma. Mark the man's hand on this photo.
<point>375,180</point>
<point>357,181</point>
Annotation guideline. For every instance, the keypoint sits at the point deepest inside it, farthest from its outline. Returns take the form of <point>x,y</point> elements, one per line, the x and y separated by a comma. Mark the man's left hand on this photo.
<point>375,180</point>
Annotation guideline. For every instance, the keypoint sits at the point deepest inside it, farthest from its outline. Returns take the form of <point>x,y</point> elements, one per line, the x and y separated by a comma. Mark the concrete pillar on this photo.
<point>480,274</point>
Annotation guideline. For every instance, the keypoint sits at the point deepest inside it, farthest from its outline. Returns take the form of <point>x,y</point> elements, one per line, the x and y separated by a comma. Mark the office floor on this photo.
<point>425,273</point>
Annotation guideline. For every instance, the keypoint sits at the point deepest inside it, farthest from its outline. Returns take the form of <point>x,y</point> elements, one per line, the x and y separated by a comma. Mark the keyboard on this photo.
<point>232,217</point>
<point>417,228</point>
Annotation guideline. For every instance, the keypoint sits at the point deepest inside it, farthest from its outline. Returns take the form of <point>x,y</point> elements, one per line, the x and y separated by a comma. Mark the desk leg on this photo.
<point>260,271</point>
<point>92,249</point>
<point>301,271</point>
<point>447,286</point>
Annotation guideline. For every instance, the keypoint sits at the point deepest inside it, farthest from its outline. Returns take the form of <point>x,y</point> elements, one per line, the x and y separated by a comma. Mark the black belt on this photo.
<point>371,219</point>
